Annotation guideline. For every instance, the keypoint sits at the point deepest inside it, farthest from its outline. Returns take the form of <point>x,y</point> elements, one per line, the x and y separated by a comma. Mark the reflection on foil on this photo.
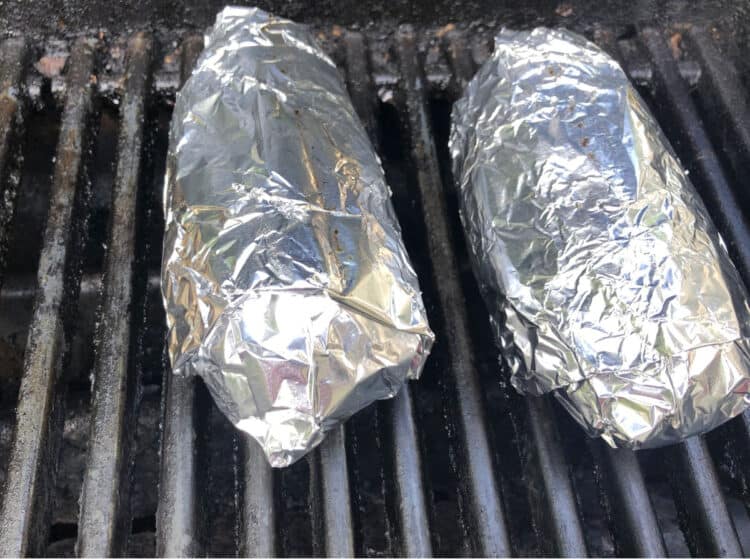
<point>608,282</point>
<point>285,280</point>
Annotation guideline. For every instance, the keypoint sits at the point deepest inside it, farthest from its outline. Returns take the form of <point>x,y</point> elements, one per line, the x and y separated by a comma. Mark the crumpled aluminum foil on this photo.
<point>286,284</point>
<point>608,282</point>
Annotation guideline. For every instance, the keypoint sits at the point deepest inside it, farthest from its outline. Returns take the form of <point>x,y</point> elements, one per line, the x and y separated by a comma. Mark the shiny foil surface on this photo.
<point>286,283</point>
<point>608,283</point>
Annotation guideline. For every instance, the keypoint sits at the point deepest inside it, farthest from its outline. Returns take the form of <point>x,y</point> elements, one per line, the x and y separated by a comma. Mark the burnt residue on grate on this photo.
<point>459,465</point>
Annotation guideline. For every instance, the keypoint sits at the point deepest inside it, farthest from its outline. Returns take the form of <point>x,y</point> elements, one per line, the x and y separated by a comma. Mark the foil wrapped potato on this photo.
<point>285,280</point>
<point>608,284</point>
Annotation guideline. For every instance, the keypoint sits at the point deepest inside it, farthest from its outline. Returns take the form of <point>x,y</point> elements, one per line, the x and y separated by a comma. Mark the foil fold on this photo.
<point>607,282</point>
<point>285,280</point>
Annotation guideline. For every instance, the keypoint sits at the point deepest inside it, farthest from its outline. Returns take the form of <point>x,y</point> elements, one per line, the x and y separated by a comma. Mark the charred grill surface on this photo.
<point>103,451</point>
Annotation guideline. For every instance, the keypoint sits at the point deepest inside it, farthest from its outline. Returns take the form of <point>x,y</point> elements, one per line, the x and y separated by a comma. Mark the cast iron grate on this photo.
<point>104,453</point>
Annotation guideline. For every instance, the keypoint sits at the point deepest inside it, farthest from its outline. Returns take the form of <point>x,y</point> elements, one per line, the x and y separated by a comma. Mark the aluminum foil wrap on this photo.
<point>286,283</point>
<point>609,285</point>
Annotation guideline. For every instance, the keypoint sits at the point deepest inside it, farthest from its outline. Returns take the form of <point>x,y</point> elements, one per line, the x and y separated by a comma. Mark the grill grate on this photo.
<point>457,464</point>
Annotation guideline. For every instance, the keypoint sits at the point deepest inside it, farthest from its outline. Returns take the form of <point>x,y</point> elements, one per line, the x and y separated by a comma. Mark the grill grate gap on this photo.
<point>141,544</point>
<point>101,173</point>
<point>72,461</point>
<point>142,524</point>
<point>38,153</point>
<point>372,522</point>
<point>293,502</point>
<point>664,506</point>
<point>25,243</point>
<point>583,474</point>
<point>729,445</point>
<point>63,531</point>
<point>13,65</point>
<point>220,485</point>
<point>143,499</point>
<point>429,392</point>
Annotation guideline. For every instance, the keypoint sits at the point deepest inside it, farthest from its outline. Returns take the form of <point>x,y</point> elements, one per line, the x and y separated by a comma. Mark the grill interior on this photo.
<point>102,452</point>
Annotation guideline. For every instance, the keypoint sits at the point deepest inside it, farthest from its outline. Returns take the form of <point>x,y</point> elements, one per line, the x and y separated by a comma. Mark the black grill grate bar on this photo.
<point>29,483</point>
<point>103,522</point>
<point>634,525</point>
<point>178,526</point>
<point>480,489</point>
<point>707,524</point>
<point>414,530</point>
<point>333,491</point>
<point>560,500</point>
<point>13,54</point>
<point>178,522</point>
<point>258,525</point>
